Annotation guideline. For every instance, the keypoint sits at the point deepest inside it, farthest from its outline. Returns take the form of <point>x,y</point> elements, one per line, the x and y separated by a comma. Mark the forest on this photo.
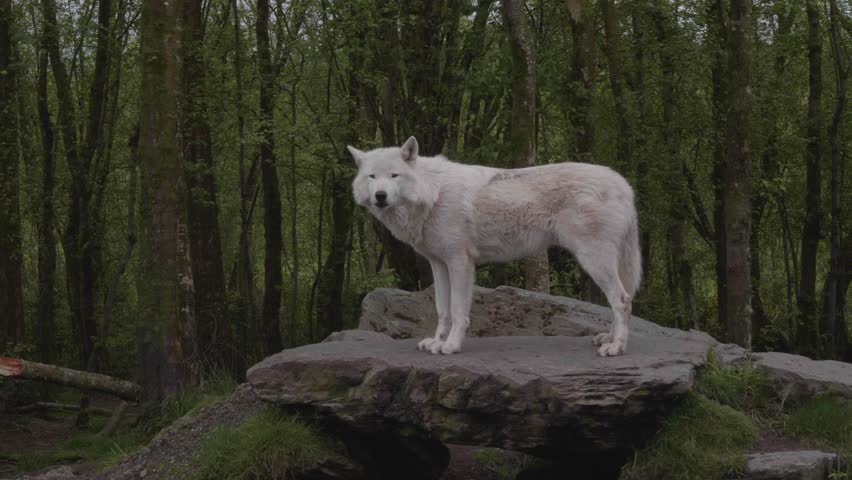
<point>175,193</point>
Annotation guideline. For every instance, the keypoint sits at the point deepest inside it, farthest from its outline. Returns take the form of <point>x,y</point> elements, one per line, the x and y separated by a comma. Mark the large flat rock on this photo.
<point>545,395</point>
<point>799,377</point>
<point>790,465</point>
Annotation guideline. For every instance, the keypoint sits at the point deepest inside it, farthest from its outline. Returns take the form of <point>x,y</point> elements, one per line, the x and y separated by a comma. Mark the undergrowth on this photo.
<point>105,452</point>
<point>709,435</point>
<point>268,446</point>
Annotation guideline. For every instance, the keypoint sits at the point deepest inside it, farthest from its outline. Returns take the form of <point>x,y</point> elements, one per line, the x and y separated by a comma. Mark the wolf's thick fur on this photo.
<point>459,215</point>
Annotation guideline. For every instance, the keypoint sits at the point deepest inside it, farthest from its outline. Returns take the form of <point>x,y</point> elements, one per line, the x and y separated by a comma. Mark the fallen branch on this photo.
<point>18,368</point>
<point>112,423</point>
<point>61,406</point>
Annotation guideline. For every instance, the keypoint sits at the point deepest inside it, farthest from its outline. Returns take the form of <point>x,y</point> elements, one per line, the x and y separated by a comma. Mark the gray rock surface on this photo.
<point>800,377</point>
<point>544,395</point>
<point>791,465</point>
<point>508,311</point>
<point>55,473</point>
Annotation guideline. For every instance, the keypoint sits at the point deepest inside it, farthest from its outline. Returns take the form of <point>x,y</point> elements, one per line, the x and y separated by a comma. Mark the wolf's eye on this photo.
<point>394,175</point>
<point>372,176</point>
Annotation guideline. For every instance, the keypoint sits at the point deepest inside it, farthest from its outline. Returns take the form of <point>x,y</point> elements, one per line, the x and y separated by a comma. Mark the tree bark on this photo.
<point>273,238</point>
<point>808,334</point>
<point>214,336</point>
<point>45,321</point>
<point>19,368</point>
<point>246,316</point>
<point>717,34</point>
<point>166,296</point>
<point>583,73</point>
<point>522,134</point>
<point>737,178</point>
<point>11,261</point>
<point>835,338</point>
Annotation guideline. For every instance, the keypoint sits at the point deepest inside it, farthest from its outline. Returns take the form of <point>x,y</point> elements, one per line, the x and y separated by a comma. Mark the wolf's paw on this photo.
<point>448,348</point>
<point>426,344</point>
<point>601,338</point>
<point>612,349</point>
<point>435,347</point>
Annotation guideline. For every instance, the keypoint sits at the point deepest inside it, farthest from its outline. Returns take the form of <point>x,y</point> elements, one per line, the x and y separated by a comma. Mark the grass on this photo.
<point>506,467</point>
<point>701,440</point>
<point>825,423</point>
<point>215,387</point>
<point>268,446</point>
<point>742,387</point>
<point>105,452</point>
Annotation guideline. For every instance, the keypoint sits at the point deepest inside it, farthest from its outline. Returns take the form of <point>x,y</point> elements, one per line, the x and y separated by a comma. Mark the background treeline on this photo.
<point>175,192</point>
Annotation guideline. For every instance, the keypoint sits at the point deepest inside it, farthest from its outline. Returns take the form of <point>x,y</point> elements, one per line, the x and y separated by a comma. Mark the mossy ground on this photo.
<point>268,446</point>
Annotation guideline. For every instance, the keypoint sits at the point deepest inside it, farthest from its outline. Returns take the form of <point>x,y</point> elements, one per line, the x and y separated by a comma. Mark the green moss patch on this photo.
<point>268,446</point>
<point>701,440</point>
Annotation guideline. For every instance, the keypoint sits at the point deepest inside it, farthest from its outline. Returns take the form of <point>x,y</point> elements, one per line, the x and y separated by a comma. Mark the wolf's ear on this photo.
<point>409,150</point>
<point>358,155</point>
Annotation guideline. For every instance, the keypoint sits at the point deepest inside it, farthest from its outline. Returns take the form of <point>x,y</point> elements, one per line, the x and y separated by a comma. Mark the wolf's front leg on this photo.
<point>462,272</point>
<point>442,306</point>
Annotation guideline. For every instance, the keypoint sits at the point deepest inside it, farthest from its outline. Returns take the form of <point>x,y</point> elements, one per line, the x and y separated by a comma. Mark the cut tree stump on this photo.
<point>19,368</point>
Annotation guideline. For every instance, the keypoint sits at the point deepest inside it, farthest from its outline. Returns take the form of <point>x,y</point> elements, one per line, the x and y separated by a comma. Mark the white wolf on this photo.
<point>459,215</point>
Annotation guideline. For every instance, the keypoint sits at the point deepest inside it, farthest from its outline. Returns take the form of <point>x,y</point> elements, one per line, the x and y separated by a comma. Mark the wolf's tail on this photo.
<point>630,258</point>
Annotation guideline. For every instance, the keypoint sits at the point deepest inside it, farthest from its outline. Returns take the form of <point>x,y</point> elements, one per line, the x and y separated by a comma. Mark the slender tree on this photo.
<point>522,134</point>
<point>273,238</point>
<point>88,164</point>
<point>166,295</point>
<point>833,325</point>
<point>45,321</point>
<point>207,270</point>
<point>808,325</point>
<point>737,177</point>
<point>11,260</point>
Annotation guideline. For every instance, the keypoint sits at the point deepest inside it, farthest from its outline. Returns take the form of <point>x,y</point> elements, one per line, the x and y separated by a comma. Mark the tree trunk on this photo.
<point>583,73</point>
<point>808,335</point>
<point>273,238</point>
<point>643,191</point>
<point>737,178</point>
<point>717,34</point>
<point>45,321</point>
<point>835,338</point>
<point>166,296</point>
<point>11,261</point>
<point>246,315</point>
<point>522,135</point>
<point>214,336</point>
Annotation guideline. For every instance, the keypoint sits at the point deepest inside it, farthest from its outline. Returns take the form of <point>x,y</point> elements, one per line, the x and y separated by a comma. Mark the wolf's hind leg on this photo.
<point>462,273</point>
<point>442,305</point>
<point>601,263</point>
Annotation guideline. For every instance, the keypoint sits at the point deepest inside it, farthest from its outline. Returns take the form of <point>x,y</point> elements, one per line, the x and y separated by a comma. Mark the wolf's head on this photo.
<point>386,177</point>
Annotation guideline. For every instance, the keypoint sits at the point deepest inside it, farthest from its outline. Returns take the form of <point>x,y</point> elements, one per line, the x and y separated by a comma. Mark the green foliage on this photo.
<point>216,386</point>
<point>506,467</point>
<point>825,422</point>
<point>743,386</point>
<point>701,440</point>
<point>267,446</point>
<point>88,447</point>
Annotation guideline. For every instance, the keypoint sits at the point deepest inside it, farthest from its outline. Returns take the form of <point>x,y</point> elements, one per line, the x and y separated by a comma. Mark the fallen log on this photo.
<point>61,406</point>
<point>18,368</point>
